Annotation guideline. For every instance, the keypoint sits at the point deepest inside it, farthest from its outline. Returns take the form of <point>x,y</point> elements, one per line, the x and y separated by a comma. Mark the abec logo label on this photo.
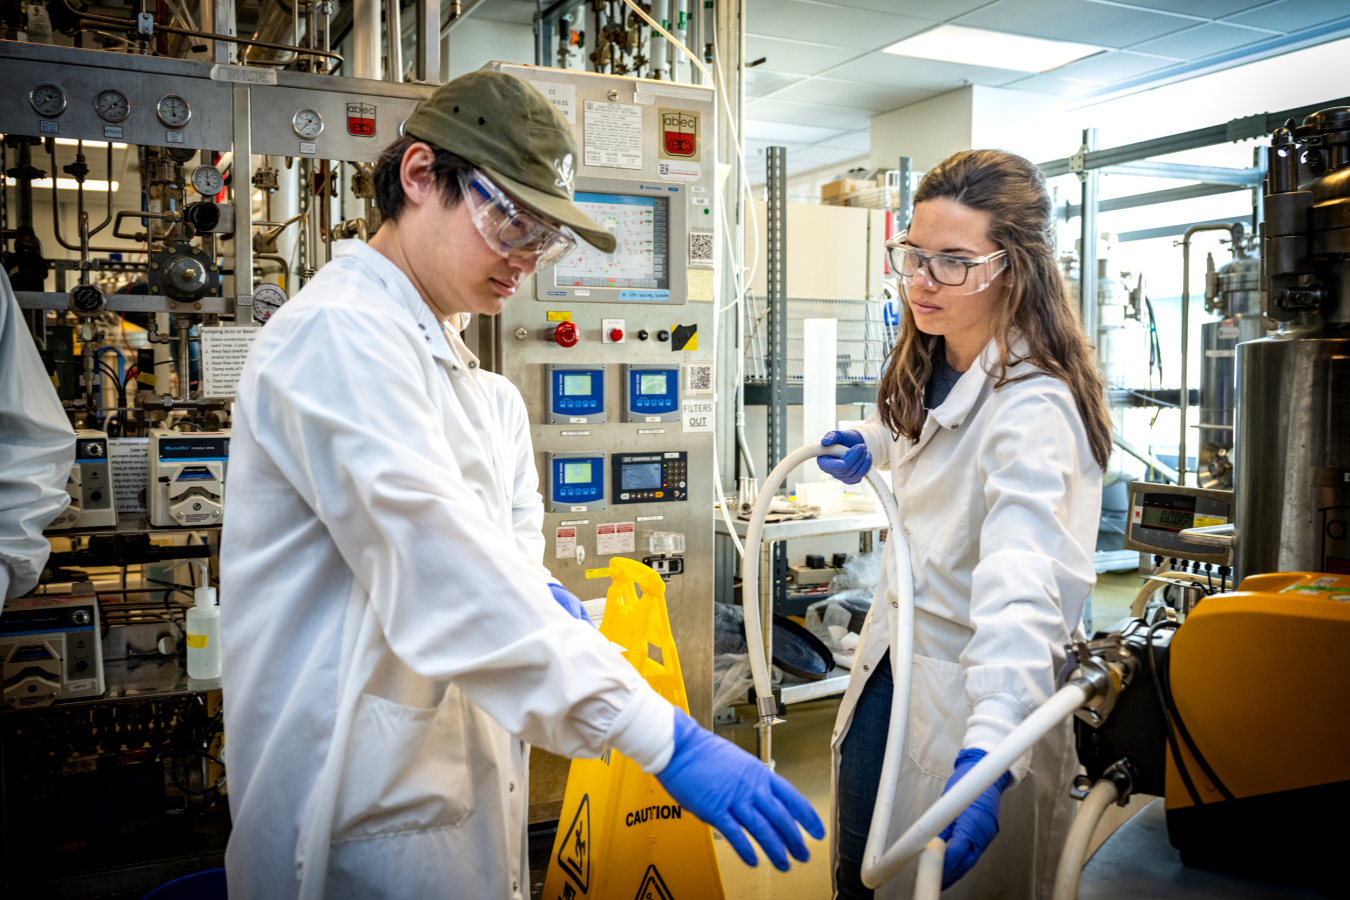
<point>679,134</point>
<point>361,119</point>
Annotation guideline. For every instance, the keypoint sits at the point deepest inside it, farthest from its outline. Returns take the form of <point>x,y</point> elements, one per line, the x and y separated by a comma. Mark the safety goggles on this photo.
<point>508,229</point>
<point>944,269</point>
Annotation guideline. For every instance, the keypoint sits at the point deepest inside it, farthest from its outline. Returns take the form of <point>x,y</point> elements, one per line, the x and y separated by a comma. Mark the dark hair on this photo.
<point>1012,191</point>
<point>445,169</point>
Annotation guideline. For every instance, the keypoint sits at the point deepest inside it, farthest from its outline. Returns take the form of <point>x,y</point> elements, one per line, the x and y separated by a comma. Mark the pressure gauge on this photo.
<point>173,111</point>
<point>48,100</point>
<point>307,123</point>
<point>207,180</point>
<point>267,299</point>
<point>112,105</point>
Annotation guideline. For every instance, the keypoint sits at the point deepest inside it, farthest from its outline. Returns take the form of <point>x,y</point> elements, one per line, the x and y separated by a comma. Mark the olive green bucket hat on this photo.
<point>508,129</point>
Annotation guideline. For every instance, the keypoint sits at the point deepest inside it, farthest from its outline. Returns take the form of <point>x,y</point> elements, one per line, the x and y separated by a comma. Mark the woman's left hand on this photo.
<point>976,827</point>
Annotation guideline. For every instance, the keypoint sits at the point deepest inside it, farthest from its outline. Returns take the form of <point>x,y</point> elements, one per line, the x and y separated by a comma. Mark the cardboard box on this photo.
<point>835,192</point>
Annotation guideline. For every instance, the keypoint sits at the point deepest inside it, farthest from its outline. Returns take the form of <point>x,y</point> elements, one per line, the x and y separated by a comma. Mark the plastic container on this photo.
<point>203,635</point>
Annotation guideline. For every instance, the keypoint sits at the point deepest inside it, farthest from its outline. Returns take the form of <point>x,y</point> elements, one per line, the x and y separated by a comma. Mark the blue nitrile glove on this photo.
<point>973,830</point>
<point>568,601</point>
<point>730,790</point>
<point>853,465</point>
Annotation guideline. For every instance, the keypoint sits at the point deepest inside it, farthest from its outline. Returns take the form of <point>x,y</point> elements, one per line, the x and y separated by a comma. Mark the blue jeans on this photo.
<point>860,760</point>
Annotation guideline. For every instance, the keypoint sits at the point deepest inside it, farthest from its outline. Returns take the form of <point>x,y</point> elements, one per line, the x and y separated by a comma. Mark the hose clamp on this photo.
<point>1103,667</point>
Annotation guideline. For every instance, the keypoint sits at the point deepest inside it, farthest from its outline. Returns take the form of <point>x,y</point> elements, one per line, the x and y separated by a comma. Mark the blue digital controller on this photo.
<point>575,481</point>
<point>652,393</point>
<point>577,393</point>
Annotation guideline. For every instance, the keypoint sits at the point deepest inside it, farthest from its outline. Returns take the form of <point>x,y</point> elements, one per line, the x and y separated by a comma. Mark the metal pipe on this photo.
<point>242,182</point>
<point>1183,401</point>
<point>184,362</point>
<point>128,25</point>
<point>366,39</point>
<point>393,39</point>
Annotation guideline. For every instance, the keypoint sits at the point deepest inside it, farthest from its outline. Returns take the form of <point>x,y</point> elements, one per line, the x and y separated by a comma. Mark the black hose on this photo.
<point>1163,705</point>
<point>1190,743</point>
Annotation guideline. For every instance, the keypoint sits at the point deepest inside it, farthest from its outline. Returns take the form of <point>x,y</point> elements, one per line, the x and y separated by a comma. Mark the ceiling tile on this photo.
<point>1110,66</point>
<point>923,74</point>
<point>924,9</point>
<point>1205,9</point>
<point>520,12</point>
<point>1202,41</point>
<point>875,98</point>
<point>854,141</point>
<point>795,57</point>
<point>779,132</point>
<point>1074,20</point>
<point>1050,83</point>
<point>862,29</point>
<point>1293,15</point>
<point>828,116</point>
<point>814,157</point>
<point>759,82</point>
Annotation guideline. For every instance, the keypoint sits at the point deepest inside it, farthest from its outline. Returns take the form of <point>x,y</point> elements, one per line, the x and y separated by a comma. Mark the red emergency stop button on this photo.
<point>615,335</point>
<point>565,334</point>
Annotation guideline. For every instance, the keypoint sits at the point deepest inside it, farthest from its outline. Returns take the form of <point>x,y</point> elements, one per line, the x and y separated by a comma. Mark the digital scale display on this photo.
<point>576,481</point>
<point>641,227</point>
<point>650,477</point>
<point>651,393</point>
<point>1160,512</point>
<point>576,394</point>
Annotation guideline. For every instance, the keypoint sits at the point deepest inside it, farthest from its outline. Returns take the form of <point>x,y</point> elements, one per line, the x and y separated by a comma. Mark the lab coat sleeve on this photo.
<point>37,447</point>
<point>344,411</point>
<point>879,441</point>
<point>1033,572</point>
<point>527,506</point>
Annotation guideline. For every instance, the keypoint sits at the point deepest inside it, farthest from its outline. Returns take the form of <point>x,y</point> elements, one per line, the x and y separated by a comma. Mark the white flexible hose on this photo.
<point>1071,861</point>
<point>984,773</point>
<point>928,882</point>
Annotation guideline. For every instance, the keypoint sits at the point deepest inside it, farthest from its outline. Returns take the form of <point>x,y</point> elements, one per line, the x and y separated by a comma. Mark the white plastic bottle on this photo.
<point>203,635</point>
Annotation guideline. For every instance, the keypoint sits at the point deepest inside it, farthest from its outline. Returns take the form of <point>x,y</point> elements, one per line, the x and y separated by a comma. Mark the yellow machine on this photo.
<point>1256,688</point>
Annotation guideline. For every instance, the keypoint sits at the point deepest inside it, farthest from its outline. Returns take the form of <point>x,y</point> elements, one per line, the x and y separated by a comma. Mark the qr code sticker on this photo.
<point>701,248</point>
<point>700,378</point>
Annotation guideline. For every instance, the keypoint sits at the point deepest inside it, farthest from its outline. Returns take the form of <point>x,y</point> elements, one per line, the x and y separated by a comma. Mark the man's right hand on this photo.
<point>731,790</point>
<point>853,465</point>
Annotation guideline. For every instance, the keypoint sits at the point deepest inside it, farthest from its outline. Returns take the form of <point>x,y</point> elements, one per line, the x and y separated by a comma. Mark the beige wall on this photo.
<point>834,252</point>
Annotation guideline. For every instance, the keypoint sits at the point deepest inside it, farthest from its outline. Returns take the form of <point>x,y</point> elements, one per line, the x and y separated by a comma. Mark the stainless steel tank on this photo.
<point>1233,292</point>
<point>1292,494</point>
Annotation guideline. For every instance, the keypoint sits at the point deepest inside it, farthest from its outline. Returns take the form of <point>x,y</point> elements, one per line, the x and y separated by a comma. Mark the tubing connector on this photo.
<point>768,710</point>
<point>1102,667</point>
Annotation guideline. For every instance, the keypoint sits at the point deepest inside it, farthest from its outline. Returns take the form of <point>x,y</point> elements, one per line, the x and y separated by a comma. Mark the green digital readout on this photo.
<point>652,383</point>
<point>576,385</point>
<point>577,473</point>
<point>1169,519</point>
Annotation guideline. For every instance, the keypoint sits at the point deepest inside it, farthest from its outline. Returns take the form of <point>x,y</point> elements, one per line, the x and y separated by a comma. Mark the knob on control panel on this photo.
<point>616,334</point>
<point>565,334</point>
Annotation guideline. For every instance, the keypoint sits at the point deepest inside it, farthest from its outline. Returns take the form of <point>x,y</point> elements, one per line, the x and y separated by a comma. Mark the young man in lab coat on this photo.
<point>386,648</point>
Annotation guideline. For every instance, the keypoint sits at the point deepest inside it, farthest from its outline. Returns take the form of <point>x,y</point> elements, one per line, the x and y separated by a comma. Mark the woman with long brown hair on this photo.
<point>991,421</point>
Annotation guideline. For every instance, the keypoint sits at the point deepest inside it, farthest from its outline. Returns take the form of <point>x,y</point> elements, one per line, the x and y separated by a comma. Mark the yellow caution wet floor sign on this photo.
<point>620,835</point>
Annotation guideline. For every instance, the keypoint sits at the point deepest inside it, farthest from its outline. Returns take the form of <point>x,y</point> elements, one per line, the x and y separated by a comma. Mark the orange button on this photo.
<point>660,494</point>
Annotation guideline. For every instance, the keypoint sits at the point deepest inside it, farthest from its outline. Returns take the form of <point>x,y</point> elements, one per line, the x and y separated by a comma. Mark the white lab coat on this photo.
<point>385,645</point>
<point>37,448</point>
<point>999,502</point>
<point>513,425</point>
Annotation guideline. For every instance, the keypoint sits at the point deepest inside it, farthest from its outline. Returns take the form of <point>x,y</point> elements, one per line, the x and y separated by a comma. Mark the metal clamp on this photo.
<point>1103,667</point>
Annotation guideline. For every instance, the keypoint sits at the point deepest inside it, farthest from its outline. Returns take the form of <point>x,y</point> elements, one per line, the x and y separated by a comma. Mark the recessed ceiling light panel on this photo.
<point>991,49</point>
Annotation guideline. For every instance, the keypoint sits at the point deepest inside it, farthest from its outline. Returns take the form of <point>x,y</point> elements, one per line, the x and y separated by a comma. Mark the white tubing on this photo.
<point>976,781</point>
<point>750,600</point>
<point>1071,861</point>
<point>928,883</point>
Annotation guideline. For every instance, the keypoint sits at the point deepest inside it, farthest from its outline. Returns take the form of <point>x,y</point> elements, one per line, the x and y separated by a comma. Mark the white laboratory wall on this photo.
<point>476,42</point>
<point>927,132</point>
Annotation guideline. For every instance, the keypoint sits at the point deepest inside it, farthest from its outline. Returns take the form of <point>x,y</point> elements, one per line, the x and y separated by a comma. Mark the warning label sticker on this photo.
<point>617,537</point>
<point>652,887</point>
<point>567,543</point>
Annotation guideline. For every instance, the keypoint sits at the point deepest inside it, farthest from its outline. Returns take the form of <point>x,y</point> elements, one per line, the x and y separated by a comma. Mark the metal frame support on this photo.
<point>905,204</point>
<point>775,159</point>
<point>427,68</point>
<point>1087,266</point>
<point>242,180</point>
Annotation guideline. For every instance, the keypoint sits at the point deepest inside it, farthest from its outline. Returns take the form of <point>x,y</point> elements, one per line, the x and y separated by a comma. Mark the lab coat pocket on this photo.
<point>407,769</point>
<point>937,715</point>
